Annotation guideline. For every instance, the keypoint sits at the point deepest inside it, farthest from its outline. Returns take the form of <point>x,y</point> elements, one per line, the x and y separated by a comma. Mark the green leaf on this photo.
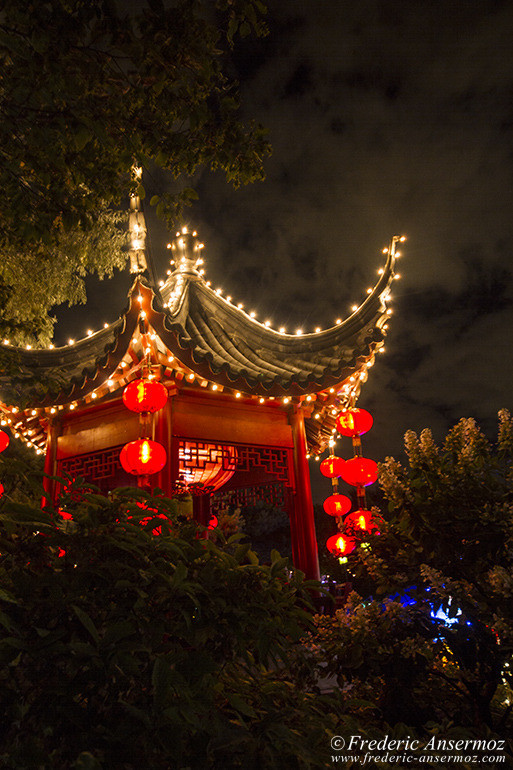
<point>86,622</point>
<point>279,565</point>
<point>7,622</point>
<point>86,761</point>
<point>180,573</point>
<point>6,596</point>
<point>139,714</point>
<point>82,137</point>
<point>241,705</point>
<point>161,679</point>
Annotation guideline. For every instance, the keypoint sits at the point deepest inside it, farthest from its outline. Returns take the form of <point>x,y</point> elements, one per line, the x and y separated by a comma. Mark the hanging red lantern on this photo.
<point>360,472</point>
<point>144,396</point>
<point>360,521</point>
<point>143,457</point>
<point>336,505</point>
<point>354,422</point>
<point>4,440</point>
<point>332,466</point>
<point>340,545</point>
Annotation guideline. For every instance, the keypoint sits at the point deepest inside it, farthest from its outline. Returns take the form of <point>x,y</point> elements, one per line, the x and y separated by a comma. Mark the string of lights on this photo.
<point>31,424</point>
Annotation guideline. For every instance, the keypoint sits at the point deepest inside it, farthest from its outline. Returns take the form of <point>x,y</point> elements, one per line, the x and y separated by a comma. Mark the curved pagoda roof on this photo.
<point>198,337</point>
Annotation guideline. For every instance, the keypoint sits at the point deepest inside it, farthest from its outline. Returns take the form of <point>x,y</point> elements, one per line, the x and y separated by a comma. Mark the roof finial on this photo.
<point>137,228</point>
<point>186,250</point>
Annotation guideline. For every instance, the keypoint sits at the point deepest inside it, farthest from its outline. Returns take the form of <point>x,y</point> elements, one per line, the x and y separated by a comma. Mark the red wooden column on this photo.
<point>162,432</point>
<point>50,469</point>
<point>302,526</point>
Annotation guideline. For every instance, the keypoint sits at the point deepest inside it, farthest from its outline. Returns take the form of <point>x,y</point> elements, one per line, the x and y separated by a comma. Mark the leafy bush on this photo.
<point>121,649</point>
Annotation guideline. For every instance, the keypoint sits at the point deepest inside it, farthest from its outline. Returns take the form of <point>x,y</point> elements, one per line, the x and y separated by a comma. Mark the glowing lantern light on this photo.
<point>4,440</point>
<point>360,520</point>
<point>337,505</point>
<point>332,467</point>
<point>144,396</point>
<point>143,457</point>
<point>354,422</point>
<point>1,489</point>
<point>340,545</point>
<point>360,471</point>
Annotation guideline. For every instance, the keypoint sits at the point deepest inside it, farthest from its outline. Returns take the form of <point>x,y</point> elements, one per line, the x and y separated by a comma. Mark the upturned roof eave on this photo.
<point>92,360</point>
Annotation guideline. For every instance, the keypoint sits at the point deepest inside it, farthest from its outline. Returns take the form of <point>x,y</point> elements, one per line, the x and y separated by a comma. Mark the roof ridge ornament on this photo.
<point>137,229</point>
<point>186,250</point>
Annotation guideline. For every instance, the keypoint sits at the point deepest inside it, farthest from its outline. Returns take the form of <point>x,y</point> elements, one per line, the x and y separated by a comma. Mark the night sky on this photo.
<point>392,117</point>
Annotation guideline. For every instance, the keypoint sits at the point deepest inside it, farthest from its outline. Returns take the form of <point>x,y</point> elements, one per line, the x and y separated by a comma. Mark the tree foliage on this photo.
<point>122,649</point>
<point>87,90</point>
<point>34,280</point>
<point>428,639</point>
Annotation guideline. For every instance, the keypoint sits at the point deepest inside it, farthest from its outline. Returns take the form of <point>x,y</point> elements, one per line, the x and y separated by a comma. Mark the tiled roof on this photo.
<point>211,337</point>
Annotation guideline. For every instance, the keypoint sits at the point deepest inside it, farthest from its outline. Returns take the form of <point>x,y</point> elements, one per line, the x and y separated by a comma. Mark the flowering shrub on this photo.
<point>429,637</point>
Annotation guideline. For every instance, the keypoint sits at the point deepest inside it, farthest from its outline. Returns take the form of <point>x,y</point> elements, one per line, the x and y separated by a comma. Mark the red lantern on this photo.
<point>360,472</point>
<point>332,466</point>
<point>360,520</point>
<point>337,505</point>
<point>354,422</point>
<point>340,545</point>
<point>1,489</point>
<point>4,440</point>
<point>143,457</point>
<point>144,396</point>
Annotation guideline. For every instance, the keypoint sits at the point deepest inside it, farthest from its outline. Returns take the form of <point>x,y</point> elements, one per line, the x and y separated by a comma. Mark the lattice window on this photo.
<point>198,455</point>
<point>239,457</point>
<point>104,469</point>
<point>95,466</point>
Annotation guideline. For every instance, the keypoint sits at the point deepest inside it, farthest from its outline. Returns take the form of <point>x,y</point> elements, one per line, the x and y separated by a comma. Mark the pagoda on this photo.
<point>247,405</point>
